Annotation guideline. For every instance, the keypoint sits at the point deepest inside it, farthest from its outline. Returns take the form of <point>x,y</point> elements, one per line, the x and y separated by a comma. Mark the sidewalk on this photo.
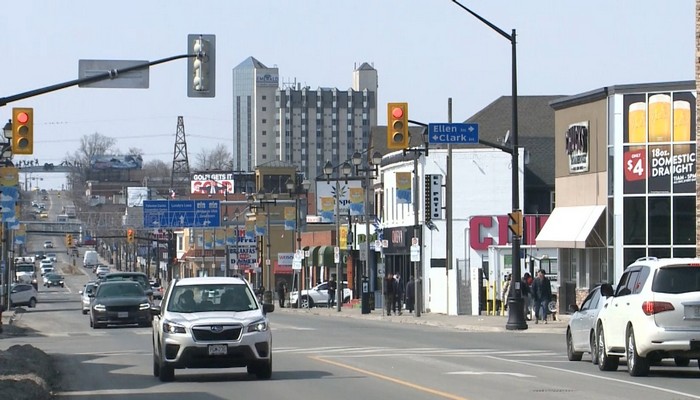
<point>471,323</point>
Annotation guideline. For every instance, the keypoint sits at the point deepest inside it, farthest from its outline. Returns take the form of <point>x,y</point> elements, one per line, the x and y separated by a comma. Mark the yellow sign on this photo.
<point>9,176</point>
<point>343,237</point>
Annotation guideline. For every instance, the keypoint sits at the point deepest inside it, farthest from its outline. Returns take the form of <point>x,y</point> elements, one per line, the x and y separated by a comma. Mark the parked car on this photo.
<point>21,294</point>
<point>53,279</point>
<point>211,322</point>
<point>86,295</point>
<point>317,296</point>
<point>654,313</point>
<point>119,303</point>
<point>580,333</point>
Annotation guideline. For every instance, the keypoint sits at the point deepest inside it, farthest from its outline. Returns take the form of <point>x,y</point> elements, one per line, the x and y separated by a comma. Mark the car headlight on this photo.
<point>171,327</point>
<point>60,282</point>
<point>99,307</point>
<point>144,306</point>
<point>258,326</point>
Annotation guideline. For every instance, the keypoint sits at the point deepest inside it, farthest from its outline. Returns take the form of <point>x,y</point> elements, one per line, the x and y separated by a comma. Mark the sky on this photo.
<point>425,52</point>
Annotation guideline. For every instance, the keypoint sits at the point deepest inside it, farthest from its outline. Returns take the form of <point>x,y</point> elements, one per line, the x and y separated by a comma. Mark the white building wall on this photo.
<point>482,185</point>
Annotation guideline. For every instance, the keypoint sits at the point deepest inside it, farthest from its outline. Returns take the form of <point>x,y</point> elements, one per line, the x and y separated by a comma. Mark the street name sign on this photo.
<point>128,80</point>
<point>453,133</point>
<point>181,213</point>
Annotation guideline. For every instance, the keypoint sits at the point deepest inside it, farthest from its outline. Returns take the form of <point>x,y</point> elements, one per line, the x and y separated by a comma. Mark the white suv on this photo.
<point>211,322</point>
<point>317,295</point>
<point>653,314</point>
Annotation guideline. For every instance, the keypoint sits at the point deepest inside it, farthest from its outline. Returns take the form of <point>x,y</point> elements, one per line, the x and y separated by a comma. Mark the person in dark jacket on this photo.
<point>388,293</point>
<point>410,294</point>
<point>282,293</point>
<point>398,295</point>
<point>542,293</point>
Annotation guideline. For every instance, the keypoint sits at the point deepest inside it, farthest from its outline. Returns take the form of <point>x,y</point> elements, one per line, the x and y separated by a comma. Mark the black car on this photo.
<point>53,280</point>
<point>139,277</point>
<point>120,303</point>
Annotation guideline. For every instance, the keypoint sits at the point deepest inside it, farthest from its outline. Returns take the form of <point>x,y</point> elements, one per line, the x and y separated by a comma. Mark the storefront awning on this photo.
<point>574,228</point>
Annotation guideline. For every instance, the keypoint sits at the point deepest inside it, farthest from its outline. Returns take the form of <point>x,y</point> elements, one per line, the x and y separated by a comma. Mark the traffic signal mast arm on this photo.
<point>112,74</point>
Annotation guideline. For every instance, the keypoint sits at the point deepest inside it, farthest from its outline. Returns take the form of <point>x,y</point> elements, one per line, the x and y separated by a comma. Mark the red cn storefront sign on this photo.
<point>489,230</point>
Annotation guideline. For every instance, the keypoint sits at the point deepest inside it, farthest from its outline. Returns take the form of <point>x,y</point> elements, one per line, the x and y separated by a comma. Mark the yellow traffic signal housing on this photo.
<point>69,240</point>
<point>516,222</point>
<point>397,136</point>
<point>23,131</point>
<point>130,236</point>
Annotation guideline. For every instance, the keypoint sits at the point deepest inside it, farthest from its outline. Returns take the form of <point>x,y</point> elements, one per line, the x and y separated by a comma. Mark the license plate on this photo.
<point>123,314</point>
<point>218,349</point>
<point>692,312</point>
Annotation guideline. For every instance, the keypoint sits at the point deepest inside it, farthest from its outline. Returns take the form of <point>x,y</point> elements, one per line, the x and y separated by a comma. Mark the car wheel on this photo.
<point>92,325</point>
<point>594,352</point>
<point>346,300</point>
<point>682,361</point>
<point>605,362</point>
<point>636,365</point>
<point>552,307</point>
<point>306,302</point>
<point>156,367</point>
<point>166,373</point>
<point>264,370</point>
<point>84,312</point>
<point>32,302</point>
<point>571,354</point>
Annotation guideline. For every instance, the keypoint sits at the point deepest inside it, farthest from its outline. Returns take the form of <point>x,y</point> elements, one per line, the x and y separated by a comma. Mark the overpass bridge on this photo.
<point>53,228</point>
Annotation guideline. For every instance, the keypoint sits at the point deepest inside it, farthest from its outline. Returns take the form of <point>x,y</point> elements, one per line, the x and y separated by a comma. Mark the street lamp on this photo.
<point>516,313</point>
<point>294,189</point>
<point>371,172</point>
<point>260,200</point>
<point>346,170</point>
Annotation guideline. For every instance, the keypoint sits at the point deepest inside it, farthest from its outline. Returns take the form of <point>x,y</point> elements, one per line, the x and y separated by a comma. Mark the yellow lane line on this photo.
<point>393,380</point>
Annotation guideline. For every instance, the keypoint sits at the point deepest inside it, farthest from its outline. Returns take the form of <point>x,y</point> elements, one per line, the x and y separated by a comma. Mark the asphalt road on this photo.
<point>319,357</point>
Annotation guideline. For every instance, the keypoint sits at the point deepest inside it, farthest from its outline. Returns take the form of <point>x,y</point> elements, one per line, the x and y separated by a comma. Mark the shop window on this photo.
<point>632,254</point>
<point>685,252</point>
<point>634,210</point>
<point>660,219</point>
<point>660,252</point>
<point>684,220</point>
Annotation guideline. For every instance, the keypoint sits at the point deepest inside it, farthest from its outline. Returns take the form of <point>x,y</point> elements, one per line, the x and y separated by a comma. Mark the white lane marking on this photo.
<point>516,374</point>
<point>606,378</point>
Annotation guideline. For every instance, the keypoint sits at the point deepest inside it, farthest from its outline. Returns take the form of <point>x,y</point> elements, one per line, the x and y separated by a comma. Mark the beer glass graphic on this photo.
<point>637,117</point>
<point>681,125</point>
<point>660,118</point>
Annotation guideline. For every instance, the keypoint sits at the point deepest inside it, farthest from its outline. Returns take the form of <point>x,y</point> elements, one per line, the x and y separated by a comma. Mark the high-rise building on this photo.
<point>302,126</point>
<point>254,87</point>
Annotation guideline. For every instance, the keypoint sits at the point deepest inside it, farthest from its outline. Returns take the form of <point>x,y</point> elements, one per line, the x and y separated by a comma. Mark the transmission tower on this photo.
<point>180,174</point>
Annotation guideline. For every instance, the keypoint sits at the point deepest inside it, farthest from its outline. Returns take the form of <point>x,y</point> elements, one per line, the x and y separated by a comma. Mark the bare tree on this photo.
<point>157,168</point>
<point>91,146</point>
<point>217,159</point>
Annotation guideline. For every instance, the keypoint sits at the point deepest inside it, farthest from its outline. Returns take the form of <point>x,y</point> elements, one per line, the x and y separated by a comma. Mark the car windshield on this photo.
<point>141,279</point>
<point>126,289</point>
<point>675,280</point>
<point>222,297</point>
<point>24,268</point>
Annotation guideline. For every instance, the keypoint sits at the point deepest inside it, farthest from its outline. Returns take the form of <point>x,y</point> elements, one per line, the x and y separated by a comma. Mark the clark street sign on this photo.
<point>457,133</point>
<point>181,213</point>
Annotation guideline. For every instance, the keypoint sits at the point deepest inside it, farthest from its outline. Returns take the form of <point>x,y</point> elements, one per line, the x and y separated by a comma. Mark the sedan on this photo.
<point>48,244</point>
<point>53,280</point>
<point>87,294</point>
<point>120,303</point>
<point>51,256</point>
<point>580,334</point>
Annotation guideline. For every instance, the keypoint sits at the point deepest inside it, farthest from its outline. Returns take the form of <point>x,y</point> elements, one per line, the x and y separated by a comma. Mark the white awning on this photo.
<point>570,227</point>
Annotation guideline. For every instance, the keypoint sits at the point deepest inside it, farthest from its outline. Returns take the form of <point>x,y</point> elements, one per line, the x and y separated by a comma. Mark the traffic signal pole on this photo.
<point>112,74</point>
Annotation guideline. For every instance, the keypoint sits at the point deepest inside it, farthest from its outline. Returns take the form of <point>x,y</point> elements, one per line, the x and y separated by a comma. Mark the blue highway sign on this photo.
<point>447,133</point>
<point>181,213</point>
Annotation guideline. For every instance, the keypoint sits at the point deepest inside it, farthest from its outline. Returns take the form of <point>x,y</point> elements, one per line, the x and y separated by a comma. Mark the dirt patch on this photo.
<point>26,373</point>
<point>70,269</point>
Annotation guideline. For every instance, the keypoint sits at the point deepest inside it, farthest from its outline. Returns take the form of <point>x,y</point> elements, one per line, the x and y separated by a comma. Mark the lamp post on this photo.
<point>259,200</point>
<point>294,189</point>
<point>516,313</point>
<point>346,170</point>
<point>371,172</point>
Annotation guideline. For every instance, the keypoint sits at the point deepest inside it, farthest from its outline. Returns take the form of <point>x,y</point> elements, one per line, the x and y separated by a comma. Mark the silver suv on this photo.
<point>653,314</point>
<point>211,322</point>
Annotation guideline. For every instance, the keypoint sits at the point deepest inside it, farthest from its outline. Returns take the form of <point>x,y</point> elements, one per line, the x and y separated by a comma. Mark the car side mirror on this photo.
<point>606,290</point>
<point>91,294</point>
<point>268,307</point>
<point>155,310</point>
<point>573,307</point>
<point>80,292</point>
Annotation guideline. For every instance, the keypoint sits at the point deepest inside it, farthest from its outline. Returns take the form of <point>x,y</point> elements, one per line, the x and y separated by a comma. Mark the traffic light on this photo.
<point>397,136</point>
<point>23,131</point>
<point>516,222</point>
<point>69,240</point>
<point>130,236</point>
<point>201,70</point>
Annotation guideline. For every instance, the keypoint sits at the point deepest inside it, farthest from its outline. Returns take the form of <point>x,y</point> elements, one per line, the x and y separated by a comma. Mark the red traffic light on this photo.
<point>22,117</point>
<point>397,112</point>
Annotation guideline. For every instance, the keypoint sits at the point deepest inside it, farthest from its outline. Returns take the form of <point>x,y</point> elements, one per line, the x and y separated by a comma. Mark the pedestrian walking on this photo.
<point>282,292</point>
<point>410,294</point>
<point>397,306</point>
<point>332,286</point>
<point>388,293</point>
<point>526,285</point>
<point>542,292</point>
<point>505,291</point>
